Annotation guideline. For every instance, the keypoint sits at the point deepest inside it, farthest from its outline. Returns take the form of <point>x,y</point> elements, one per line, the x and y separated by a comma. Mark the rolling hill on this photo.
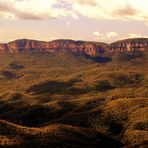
<point>75,94</point>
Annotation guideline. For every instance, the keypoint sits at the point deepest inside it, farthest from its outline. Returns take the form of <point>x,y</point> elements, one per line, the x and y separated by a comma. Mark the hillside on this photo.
<point>74,99</point>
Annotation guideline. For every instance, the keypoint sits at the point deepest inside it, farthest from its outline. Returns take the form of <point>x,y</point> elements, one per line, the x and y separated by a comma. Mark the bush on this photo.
<point>15,65</point>
<point>130,56</point>
<point>123,80</point>
<point>103,85</point>
<point>7,74</point>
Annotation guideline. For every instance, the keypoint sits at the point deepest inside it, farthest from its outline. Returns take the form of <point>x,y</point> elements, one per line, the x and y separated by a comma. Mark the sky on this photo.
<point>93,20</point>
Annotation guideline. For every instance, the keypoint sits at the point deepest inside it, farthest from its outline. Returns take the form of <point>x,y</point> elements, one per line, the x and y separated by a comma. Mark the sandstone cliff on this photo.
<point>129,45</point>
<point>89,48</point>
<point>3,48</point>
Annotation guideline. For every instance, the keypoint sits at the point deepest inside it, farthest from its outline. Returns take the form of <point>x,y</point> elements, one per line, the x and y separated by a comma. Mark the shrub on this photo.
<point>123,80</point>
<point>7,74</point>
<point>130,56</point>
<point>15,65</point>
<point>103,85</point>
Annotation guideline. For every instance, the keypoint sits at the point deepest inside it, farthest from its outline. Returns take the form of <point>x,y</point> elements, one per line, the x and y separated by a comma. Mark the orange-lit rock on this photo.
<point>129,45</point>
<point>89,48</point>
<point>3,48</point>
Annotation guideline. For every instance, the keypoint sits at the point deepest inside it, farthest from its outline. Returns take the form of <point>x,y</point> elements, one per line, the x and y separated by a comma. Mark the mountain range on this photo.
<point>74,94</point>
<point>87,47</point>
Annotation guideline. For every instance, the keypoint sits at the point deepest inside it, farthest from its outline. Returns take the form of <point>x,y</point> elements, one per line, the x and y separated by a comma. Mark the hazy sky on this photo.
<point>99,20</point>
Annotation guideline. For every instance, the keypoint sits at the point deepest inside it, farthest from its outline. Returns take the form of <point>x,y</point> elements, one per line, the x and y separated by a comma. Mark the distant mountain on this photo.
<point>25,45</point>
<point>129,45</point>
<point>86,47</point>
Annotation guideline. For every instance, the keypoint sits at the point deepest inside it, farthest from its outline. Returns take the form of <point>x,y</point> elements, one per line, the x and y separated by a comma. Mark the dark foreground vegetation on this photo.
<point>62,100</point>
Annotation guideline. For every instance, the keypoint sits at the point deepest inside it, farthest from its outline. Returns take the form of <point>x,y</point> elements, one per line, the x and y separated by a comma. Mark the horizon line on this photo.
<point>40,40</point>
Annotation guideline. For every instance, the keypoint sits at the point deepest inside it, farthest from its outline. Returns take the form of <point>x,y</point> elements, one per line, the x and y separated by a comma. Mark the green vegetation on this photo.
<point>67,100</point>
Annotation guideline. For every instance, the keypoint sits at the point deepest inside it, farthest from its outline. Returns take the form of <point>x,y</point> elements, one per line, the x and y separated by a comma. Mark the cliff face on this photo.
<point>27,46</point>
<point>24,45</point>
<point>129,45</point>
<point>3,48</point>
<point>89,48</point>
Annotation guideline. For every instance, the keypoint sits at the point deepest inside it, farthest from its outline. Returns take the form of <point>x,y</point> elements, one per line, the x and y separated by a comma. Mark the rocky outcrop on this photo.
<point>129,45</point>
<point>24,45</point>
<point>89,48</point>
<point>3,48</point>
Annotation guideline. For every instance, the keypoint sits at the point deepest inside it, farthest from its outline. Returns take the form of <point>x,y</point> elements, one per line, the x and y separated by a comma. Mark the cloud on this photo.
<point>32,10</point>
<point>104,9</point>
<point>112,34</point>
<point>134,35</point>
<point>126,11</point>
<point>4,6</point>
<point>68,23</point>
<point>146,23</point>
<point>98,34</point>
<point>106,35</point>
<point>95,9</point>
<point>90,11</point>
<point>82,2</point>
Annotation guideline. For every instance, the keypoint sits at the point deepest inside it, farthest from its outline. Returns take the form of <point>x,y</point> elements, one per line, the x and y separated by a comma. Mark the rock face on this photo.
<point>3,48</point>
<point>129,45</point>
<point>89,48</point>
<point>24,45</point>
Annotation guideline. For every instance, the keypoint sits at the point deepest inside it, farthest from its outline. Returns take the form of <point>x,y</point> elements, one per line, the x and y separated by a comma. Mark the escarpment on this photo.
<point>86,47</point>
